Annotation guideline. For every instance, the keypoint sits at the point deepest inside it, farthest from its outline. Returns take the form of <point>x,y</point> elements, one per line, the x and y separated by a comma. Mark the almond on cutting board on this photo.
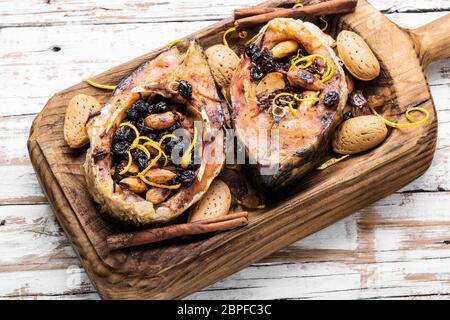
<point>223,63</point>
<point>215,203</point>
<point>357,56</point>
<point>78,112</point>
<point>359,134</point>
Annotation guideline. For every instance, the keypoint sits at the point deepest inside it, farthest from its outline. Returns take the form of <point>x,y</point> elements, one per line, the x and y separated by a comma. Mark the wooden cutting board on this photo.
<point>177,268</point>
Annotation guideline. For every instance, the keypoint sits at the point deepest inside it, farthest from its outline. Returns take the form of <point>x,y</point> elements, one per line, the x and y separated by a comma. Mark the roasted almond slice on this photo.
<point>269,84</point>
<point>78,111</point>
<point>157,195</point>
<point>215,203</point>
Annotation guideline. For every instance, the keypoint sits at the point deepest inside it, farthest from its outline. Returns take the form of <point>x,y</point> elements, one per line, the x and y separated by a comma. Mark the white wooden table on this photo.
<point>397,248</point>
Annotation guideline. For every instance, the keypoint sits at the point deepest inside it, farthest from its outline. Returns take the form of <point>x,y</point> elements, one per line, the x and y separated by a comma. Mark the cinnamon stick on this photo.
<point>256,15</point>
<point>137,238</point>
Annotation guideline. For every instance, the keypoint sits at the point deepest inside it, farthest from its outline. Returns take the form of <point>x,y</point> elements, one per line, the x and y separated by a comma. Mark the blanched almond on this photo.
<point>161,121</point>
<point>157,195</point>
<point>284,49</point>
<point>359,134</point>
<point>357,56</point>
<point>159,175</point>
<point>215,203</point>
<point>133,184</point>
<point>269,84</point>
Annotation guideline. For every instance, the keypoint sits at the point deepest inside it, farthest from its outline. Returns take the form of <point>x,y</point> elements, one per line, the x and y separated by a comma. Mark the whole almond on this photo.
<point>157,195</point>
<point>78,111</point>
<point>159,175</point>
<point>284,49</point>
<point>359,134</point>
<point>215,203</point>
<point>357,56</point>
<point>132,170</point>
<point>133,184</point>
<point>223,63</point>
<point>269,84</point>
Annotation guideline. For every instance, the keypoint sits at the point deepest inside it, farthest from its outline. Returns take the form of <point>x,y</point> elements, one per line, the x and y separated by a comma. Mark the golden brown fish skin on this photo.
<point>304,141</point>
<point>182,62</point>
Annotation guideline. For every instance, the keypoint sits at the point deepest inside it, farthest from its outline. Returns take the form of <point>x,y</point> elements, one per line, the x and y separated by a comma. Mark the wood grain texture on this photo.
<point>26,64</point>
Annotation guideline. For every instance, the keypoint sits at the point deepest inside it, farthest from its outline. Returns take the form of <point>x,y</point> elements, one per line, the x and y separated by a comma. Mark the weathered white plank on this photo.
<point>33,65</point>
<point>400,250</point>
<point>61,282</point>
<point>29,64</point>
<point>32,239</point>
<point>62,12</point>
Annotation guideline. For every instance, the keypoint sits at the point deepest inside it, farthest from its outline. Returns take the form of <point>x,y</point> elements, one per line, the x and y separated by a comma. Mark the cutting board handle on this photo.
<point>432,41</point>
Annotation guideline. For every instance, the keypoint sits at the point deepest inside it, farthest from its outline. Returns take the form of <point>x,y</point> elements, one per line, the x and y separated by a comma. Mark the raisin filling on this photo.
<point>154,149</point>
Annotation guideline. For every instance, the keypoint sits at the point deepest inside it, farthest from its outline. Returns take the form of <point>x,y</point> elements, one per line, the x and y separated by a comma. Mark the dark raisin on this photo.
<point>150,134</point>
<point>185,89</point>
<point>141,107</point>
<point>268,66</point>
<point>285,101</point>
<point>193,166</point>
<point>251,50</point>
<point>359,104</point>
<point>331,99</point>
<point>140,159</point>
<point>267,55</point>
<point>357,99</point>
<point>140,125</point>
<point>124,133</point>
<point>131,114</point>
<point>159,107</point>
<point>257,56</point>
<point>347,115</point>
<point>257,73</point>
<point>120,148</point>
<point>186,178</point>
